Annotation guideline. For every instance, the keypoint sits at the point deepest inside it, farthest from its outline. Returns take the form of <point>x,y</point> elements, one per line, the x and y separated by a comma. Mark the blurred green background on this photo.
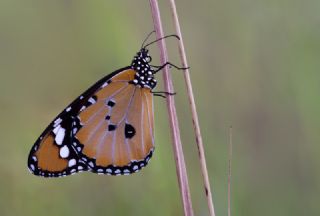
<point>254,65</point>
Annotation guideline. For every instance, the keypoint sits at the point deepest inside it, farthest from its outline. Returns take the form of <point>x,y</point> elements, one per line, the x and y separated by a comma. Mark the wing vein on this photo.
<point>142,117</point>
<point>126,118</point>
<point>99,110</point>
<point>149,119</point>
<point>117,92</point>
<point>126,113</point>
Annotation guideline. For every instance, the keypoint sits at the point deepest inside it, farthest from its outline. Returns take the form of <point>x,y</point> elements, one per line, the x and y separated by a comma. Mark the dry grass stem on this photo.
<point>177,146</point>
<point>229,171</point>
<point>195,120</point>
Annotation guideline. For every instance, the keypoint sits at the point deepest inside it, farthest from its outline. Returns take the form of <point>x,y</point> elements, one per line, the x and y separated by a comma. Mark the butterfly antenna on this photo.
<point>173,35</point>
<point>147,38</point>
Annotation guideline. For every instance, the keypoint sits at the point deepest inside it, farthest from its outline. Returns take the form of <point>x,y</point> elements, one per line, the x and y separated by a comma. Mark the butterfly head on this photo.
<point>143,57</point>
<point>144,76</point>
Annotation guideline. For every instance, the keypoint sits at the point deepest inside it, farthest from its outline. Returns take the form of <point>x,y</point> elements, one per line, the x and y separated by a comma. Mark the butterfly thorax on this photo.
<point>144,76</point>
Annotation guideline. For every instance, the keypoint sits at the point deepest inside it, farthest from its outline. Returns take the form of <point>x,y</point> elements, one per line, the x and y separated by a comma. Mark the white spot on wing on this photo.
<point>91,100</point>
<point>104,85</point>
<point>57,121</point>
<point>64,152</point>
<point>56,129</point>
<point>72,162</point>
<point>32,167</point>
<point>68,109</point>
<point>60,136</point>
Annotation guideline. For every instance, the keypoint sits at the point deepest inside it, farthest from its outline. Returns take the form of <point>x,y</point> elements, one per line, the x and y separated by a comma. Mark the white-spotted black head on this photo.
<point>144,76</point>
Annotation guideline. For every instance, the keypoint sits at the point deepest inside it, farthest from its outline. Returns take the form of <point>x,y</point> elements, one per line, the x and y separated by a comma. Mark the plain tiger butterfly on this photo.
<point>109,129</point>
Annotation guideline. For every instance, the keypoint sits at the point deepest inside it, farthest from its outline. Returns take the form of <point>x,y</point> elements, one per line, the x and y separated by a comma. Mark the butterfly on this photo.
<point>109,129</point>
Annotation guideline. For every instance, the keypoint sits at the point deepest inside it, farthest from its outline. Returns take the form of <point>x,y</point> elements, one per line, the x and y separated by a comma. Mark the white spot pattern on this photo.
<point>104,84</point>
<point>60,135</point>
<point>64,152</point>
<point>72,162</point>
<point>91,100</point>
<point>57,122</point>
<point>56,129</point>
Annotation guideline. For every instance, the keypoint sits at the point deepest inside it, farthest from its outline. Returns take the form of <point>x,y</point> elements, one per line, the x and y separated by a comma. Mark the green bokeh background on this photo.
<point>254,65</point>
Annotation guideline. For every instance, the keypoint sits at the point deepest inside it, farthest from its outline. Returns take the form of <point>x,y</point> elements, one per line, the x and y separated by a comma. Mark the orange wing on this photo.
<point>116,136</point>
<point>107,130</point>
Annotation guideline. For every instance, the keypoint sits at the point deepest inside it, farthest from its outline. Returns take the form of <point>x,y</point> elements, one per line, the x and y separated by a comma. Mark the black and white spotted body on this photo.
<point>144,76</point>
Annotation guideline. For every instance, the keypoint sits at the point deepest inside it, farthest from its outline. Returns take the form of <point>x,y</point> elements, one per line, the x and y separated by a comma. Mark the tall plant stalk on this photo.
<point>195,120</point>
<point>175,131</point>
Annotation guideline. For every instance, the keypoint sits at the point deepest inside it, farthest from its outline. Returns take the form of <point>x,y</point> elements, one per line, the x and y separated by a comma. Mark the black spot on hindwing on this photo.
<point>111,103</point>
<point>111,127</point>
<point>129,131</point>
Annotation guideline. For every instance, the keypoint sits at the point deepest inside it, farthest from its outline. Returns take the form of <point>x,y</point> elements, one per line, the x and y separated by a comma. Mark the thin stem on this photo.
<point>195,119</point>
<point>176,141</point>
<point>229,171</point>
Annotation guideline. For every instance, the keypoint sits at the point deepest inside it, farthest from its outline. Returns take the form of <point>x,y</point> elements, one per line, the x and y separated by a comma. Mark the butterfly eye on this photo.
<point>148,59</point>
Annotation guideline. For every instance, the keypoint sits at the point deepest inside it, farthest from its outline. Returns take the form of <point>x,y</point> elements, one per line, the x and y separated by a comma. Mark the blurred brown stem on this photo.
<point>176,141</point>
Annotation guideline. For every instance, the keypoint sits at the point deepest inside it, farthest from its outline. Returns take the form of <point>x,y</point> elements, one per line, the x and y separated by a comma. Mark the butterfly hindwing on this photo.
<point>112,133</point>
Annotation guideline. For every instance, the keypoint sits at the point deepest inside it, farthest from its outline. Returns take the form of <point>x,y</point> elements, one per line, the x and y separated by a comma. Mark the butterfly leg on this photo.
<point>170,64</point>
<point>162,93</point>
